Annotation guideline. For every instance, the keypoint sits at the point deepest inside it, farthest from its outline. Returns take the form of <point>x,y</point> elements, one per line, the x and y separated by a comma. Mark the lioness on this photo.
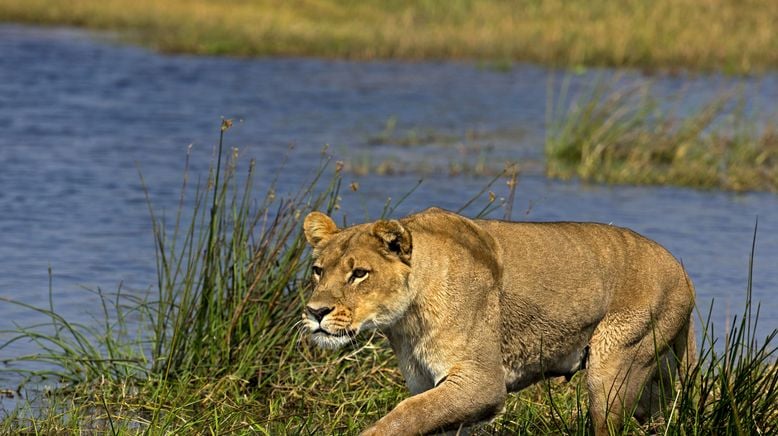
<point>476,308</point>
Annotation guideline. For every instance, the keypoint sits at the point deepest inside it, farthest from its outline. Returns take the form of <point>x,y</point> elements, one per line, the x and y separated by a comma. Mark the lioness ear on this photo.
<point>396,238</point>
<point>318,227</point>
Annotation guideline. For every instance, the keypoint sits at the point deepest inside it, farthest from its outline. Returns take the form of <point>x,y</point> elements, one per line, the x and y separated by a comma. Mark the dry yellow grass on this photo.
<point>729,35</point>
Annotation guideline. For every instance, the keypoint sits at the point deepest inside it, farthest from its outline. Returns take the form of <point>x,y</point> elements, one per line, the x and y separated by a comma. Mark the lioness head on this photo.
<point>360,275</point>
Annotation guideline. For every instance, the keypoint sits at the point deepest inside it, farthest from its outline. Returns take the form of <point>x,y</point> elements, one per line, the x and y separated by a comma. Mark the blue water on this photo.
<point>81,116</point>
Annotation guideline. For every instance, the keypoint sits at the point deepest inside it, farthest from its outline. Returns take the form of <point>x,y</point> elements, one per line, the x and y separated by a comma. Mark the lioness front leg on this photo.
<point>467,395</point>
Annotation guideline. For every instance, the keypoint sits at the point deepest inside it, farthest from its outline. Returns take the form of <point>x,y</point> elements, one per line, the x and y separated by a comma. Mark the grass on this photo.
<point>393,135</point>
<point>217,350</point>
<point>364,163</point>
<point>626,135</point>
<point>426,151</point>
<point>736,36</point>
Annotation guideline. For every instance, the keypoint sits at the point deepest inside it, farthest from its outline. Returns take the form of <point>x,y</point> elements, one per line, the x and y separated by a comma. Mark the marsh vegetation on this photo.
<point>626,134</point>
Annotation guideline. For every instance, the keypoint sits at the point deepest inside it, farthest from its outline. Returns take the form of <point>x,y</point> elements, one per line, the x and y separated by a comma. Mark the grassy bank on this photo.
<point>730,35</point>
<point>626,135</point>
<point>216,348</point>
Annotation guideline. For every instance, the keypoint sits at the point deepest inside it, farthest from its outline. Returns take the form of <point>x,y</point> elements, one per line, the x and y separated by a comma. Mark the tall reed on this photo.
<point>734,387</point>
<point>228,277</point>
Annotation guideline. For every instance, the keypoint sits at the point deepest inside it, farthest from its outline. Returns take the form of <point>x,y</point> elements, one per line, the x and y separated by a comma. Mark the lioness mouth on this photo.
<point>342,333</point>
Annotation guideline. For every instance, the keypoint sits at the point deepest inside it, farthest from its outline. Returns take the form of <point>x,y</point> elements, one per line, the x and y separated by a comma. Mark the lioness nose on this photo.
<point>319,313</point>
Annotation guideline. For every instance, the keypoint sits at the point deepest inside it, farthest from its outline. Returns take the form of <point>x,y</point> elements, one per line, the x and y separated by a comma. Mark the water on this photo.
<point>80,116</point>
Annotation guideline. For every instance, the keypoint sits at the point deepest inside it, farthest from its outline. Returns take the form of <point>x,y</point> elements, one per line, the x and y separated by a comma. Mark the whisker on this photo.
<point>300,332</point>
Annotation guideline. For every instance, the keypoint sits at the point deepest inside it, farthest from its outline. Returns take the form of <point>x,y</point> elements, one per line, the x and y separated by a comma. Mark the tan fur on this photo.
<point>476,308</point>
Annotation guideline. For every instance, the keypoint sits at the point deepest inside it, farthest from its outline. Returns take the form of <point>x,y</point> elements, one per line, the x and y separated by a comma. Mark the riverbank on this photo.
<point>724,35</point>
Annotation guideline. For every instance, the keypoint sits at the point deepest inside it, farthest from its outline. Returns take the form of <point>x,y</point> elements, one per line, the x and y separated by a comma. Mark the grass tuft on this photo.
<point>625,135</point>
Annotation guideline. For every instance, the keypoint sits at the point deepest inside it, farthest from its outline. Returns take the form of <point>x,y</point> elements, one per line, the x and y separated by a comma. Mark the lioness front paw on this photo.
<point>371,431</point>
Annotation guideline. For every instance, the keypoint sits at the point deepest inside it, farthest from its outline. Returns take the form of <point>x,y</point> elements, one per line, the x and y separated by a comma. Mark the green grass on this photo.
<point>736,36</point>
<point>426,151</point>
<point>625,135</point>
<point>217,348</point>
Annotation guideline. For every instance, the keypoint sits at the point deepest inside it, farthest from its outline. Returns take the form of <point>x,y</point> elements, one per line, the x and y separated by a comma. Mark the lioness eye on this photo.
<point>358,273</point>
<point>316,270</point>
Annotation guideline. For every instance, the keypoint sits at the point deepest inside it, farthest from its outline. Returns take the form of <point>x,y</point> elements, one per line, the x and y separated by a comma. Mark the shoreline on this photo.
<point>668,37</point>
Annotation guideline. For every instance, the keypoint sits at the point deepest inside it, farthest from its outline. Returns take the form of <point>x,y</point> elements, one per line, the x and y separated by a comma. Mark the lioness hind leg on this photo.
<point>685,349</point>
<point>631,367</point>
<point>615,382</point>
<point>658,392</point>
<point>678,361</point>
